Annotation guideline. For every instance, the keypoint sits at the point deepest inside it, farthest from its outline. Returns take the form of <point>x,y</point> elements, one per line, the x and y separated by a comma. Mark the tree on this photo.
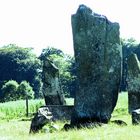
<point>25,90</point>
<point>9,91</point>
<point>129,41</point>
<point>19,64</point>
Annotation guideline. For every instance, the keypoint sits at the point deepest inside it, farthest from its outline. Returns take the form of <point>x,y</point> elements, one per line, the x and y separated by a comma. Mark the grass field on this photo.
<point>12,128</point>
<point>17,109</point>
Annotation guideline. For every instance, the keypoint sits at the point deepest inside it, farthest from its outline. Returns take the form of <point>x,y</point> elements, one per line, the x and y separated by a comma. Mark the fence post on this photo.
<point>27,107</point>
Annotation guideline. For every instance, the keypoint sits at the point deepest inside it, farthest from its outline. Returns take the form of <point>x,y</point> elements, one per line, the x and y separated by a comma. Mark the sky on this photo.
<point>42,23</point>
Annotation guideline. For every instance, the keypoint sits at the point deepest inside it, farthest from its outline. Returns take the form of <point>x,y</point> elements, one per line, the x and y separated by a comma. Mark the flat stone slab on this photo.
<point>61,112</point>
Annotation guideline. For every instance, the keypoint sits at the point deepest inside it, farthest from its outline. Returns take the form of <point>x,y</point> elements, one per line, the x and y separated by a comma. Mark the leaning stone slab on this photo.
<point>50,113</point>
<point>42,117</point>
<point>136,117</point>
<point>133,82</point>
<point>98,60</point>
<point>51,86</point>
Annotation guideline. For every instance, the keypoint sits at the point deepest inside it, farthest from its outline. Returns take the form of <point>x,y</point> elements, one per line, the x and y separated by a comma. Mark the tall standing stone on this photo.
<point>98,61</point>
<point>51,86</point>
<point>133,82</point>
<point>128,49</point>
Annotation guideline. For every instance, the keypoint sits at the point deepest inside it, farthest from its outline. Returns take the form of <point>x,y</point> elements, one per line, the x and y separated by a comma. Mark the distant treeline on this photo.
<point>21,70</point>
<point>20,67</point>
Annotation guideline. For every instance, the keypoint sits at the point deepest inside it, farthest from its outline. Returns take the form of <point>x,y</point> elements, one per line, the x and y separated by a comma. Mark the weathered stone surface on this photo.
<point>50,113</point>
<point>98,61</point>
<point>51,86</point>
<point>133,82</point>
<point>42,117</point>
<point>136,116</point>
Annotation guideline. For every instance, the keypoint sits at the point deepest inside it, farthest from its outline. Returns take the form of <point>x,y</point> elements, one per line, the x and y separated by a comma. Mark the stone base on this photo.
<point>49,113</point>
<point>76,120</point>
<point>80,126</point>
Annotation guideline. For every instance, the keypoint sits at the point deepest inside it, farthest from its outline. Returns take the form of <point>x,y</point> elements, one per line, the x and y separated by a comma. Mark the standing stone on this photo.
<point>98,61</point>
<point>128,49</point>
<point>51,87</point>
<point>133,82</point>
<point>136,117</point>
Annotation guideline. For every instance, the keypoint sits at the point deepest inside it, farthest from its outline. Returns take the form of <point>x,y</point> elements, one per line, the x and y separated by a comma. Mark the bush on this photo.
<point>9,90</point>
<point>19,64</point>
<point>25,90</point>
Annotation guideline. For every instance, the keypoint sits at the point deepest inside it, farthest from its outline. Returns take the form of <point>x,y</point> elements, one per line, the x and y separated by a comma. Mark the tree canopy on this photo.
<point>19,64</point>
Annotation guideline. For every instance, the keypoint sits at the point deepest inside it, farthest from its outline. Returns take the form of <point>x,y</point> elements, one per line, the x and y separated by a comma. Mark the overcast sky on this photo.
<point>42,23</point>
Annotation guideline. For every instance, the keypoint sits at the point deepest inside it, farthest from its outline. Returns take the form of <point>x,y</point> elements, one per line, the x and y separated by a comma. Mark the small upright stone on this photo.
<point>98,60</point>
<point>51,86</point>
<point>128,49</point>
<point>133,82</point>
<point>42,117</point>
<point>136,117</point>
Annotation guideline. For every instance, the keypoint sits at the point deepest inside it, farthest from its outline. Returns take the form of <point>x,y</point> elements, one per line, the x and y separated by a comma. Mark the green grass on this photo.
<point>16,129</point>
<point>19,130</point>
<point>17,109</point>
<point>121,109</point>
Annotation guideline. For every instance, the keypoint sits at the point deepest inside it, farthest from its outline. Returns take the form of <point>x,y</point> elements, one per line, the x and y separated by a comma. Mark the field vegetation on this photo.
<point>15,125</point>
